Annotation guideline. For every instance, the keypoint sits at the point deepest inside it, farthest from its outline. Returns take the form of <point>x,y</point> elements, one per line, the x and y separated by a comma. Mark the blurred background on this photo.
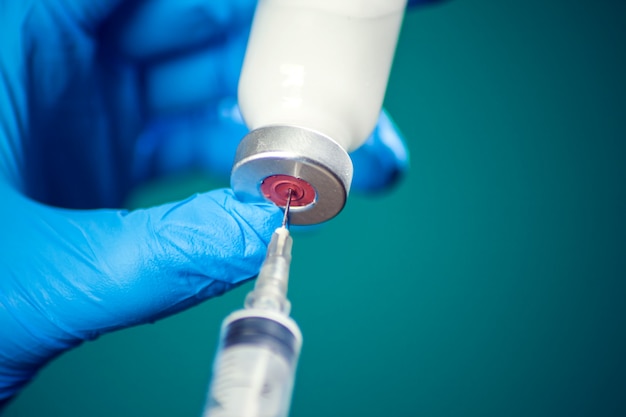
<point>490,282</point>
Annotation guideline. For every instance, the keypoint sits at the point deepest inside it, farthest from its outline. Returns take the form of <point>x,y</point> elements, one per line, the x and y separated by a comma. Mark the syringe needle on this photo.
<point>286,215</point>
<point>270,290</point>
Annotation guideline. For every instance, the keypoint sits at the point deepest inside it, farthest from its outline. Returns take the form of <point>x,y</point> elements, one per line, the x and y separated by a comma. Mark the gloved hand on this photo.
<point>97,96</point>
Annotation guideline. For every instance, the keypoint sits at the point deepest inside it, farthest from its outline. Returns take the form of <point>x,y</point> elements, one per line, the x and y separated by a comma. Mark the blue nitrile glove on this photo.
<point>97,96</point>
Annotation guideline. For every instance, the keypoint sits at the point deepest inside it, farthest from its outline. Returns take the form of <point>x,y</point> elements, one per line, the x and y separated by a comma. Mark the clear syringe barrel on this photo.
<point>254,370</point>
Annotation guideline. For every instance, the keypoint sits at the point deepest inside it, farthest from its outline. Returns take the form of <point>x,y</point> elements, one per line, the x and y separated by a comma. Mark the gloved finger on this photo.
<point>69,276</point>
<point>382,160</point>
<point>205,140</point>
<point>162,260</point>
<point>152,29</point>
<point>194,80</point>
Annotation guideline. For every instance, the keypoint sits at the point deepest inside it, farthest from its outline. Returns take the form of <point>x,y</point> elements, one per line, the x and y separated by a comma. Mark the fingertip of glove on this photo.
<point>211,236</point>
<point>256,222</point>
<point>383,159</point>
<point>209,207</point>
<point>264,217</point>
<point>251,220</point>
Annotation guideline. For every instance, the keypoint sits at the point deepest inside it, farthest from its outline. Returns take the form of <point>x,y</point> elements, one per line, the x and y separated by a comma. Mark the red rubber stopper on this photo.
<point>276,189</point>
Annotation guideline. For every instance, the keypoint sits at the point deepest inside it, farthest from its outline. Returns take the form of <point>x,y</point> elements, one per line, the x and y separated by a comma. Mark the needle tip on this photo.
<point>287,206</point>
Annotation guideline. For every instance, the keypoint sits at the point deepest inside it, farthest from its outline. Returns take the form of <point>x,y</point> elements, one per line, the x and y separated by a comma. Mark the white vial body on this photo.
<point>321,65</point>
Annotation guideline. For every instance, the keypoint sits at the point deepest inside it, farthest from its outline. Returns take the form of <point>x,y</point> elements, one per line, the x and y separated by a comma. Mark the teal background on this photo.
<point>491,282</point>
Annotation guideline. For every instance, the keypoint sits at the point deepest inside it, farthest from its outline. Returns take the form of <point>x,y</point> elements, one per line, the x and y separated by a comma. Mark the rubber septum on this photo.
<point>276,189</point>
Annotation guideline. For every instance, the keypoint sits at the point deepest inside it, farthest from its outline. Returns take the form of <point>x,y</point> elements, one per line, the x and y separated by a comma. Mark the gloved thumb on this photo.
<point>71,275</point>
<point>154,262</point>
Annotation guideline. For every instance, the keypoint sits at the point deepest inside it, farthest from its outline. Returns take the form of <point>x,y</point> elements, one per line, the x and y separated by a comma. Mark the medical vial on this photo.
<point>321,65</point>
<point>311,89</point>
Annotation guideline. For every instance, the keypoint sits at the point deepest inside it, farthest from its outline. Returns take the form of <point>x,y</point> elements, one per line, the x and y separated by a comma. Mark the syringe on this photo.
<point>255,366</point>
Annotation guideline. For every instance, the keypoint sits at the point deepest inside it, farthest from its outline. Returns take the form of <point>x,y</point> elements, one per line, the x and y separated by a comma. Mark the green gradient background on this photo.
<point>491,282</point>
